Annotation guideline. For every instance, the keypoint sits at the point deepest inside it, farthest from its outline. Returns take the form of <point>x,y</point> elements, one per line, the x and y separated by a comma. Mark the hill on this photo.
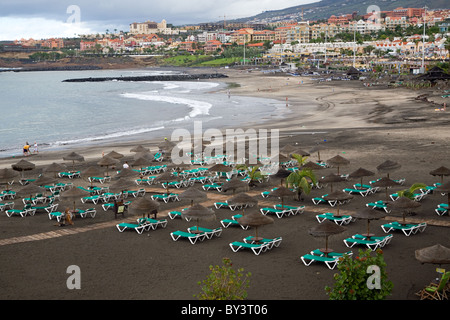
<point>325,8</point>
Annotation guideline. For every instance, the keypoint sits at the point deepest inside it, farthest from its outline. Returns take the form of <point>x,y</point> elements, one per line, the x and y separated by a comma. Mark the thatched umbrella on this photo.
<point>436,254</point>
<point>311,165</point>
<point>198,212</point>
<point>338,161</point>
<point>388,166</point>
<point>326,229</point>
<point>91,172</point>
<point>115,155</point>
<point>386,183</point>
<point>243,200</point>
<point>193,194</point>
<point>369,214</point>
<point>282,173</point>
<point>166,145</point>
<point>107,161</point>
<point>338,196</point>
<point>289,149</point>
<point>23,165</point>
<point>54,168</point>
<point>72,195</point>
<point>317,148</point>
<point>139,148</point>
<point>29,190</point>
<point>143,205</point>
<point>234,184</point>
<point>73,156</point>
<point>441,172</point>
<point>7,175</point>
<point>121,185</point>
<point>141,162</point>
<point>404,205</point>
<point>360,173</point>
<point>126,173</point>
<point>166,177</point>
<point>255,219</point>
<point>45,181</point>
<point>332,178</point>
<point>219,168</point>
<point>282,192</point>
<point>444,189</point>
<point>145,154</point>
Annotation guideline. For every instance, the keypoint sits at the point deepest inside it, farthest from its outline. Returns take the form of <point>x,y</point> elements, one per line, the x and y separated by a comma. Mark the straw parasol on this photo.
<point>441,172</point>
<point>369,214</point>
<point>282,192</point>
<point>436,254</point>
<point>7,175</point>
<point>141,162</point>
<point>73,156</point>
<point>72,195</point>
<point>29,190</point>
<point>126,173</point>
<point>143,205</point>
<point>311,165</point>
<point>23,165</point>
<point>404,205</point>
<point>326,229</point>
<point>139,148</point>
<point>444,189</point>
<point>193,194</point>
<point>338,196</point>
<point>338,161</point>
<point>386,183</point>
<point>289,149</point>
<point>282,173</point>
<point>166,177</point>
<point>234,184</point>
<point>121,185</point>
<point>54,168</point>
<point>332,178</point>
<point>243,200</point>
<point>115,155</point>
<point>45,181</point>
<point>317,148</point>
<point>388,166</point>
<point>92,172</point>
<point>107,161</point>
<point>198,212</point>
<point>255,219</point>
<point>360,173</point>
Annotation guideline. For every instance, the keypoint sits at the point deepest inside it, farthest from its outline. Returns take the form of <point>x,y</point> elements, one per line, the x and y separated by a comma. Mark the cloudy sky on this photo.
<point>66,18</point>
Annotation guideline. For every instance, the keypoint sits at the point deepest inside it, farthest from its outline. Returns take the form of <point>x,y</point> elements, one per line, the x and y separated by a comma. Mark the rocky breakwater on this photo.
<point>178,77</point>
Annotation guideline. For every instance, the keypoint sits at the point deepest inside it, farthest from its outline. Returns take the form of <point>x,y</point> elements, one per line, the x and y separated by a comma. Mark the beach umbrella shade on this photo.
<point>360,173</point>
<point>73,156</point>
<point>126,173</point>
<point>311,165</point>
<point>326,229</point>
<point>441,172</point>
<point>198,212</point>
<point>338,196</point>
<point>45,181</point>
<point>145,154</point>
<point>404,205</point>
<point>436,254</point>
<point>255,220</point>
<point>234,184</point>
<point>166,145</point>
<point>317,148</point>
<point>166,177</point>
<point>115,155</point>
<point>23,165</point>
<point>139,148</point>
<point>92,172</point>
<point>7,176</point>
<point>369,215</point>
<point>338,161</point>
<point>331,179</point>
<point>289,149</point>
<point>141,162</point>
<point>444,189</point>
<point>193,194</point>
<point>54,168</point>
<point>243,200</point>
<point>121,185</point>
<point>107,161</point>
<point>219,168</point>
<point>282,173</point>
<point>143,205</point>
<point>279,159</point>
<point>385,183</point>
<point>388,166</point>
<point>29,190</point>
<point>72,195</point>
<point>282,192</point>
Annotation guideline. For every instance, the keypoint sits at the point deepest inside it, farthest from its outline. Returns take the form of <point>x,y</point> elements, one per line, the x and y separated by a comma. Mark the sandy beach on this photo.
<point>366,125</point>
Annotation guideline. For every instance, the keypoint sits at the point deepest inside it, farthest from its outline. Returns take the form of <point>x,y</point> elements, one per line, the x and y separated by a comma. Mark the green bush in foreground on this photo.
<point>224,283</point>
<point>362,278</point>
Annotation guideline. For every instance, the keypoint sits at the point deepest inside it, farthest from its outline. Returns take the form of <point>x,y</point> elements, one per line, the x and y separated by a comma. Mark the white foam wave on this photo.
<point>198,107</point>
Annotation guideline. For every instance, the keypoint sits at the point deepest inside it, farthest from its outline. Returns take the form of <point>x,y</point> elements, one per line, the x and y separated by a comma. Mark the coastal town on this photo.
<point>408,40</point>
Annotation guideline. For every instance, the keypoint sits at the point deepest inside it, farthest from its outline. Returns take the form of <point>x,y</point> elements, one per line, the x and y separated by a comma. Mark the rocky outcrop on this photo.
<point>179,77</point>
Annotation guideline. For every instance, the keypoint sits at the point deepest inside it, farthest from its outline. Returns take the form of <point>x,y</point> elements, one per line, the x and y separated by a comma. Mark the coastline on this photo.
<point>364,125</point>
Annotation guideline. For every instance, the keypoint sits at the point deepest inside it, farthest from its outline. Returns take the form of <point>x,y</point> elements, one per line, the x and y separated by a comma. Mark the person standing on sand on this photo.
<point>35,148</point>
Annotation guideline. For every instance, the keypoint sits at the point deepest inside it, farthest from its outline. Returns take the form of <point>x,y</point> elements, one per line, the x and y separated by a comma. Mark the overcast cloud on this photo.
<point>50,18</point>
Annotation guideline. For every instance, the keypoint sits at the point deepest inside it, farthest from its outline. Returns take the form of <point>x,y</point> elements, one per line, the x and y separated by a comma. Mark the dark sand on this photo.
<point>36,253</point>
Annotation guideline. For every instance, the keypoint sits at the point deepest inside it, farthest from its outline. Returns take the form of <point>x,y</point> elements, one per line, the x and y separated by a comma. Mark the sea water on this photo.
<point>40,107</point>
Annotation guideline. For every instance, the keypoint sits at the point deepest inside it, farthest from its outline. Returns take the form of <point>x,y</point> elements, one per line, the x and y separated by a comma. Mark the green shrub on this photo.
<point>224,283</point>
<point>352,283</point>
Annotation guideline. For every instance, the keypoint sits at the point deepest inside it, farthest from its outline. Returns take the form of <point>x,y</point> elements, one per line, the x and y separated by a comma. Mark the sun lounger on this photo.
<point>51,206</point>
<point>214,186</point>
<point>256,248</point>
<point>361,192</point>
<point>55,214</point>
<point>219,205</point>
<point>83,213</point>
<point>233,223</point>
<point>138,227</point>
<point>317,252</point>
<point>94,199</point>
<point>339,220</point>
<point>6,206</point>
<point>275,242</point>
<point>321,200</point>
<point>330,262</point>
<point>407,229</point>
<point>102,180</point>
<point>192,237</point>
<point>279,213</point>
<point>153,223</point>
<point>372,244</point>
<point>293,210</point>
<point>27,210</point>
<point>38,198</point>
<point>177,214</point>
<point>69,175</point>
<point>208,232</point>
<point>380,205</point>
<point>166,197</point>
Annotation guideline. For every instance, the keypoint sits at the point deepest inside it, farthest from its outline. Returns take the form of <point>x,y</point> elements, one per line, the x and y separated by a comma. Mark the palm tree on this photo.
<point>302,181</point>
<point>253,173</point>
<point>409,193</point>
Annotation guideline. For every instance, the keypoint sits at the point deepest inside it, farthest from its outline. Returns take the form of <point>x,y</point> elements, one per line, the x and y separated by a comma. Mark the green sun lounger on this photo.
<point>138,227</point>
<point>192,237</point>
<point>208,232</point>
<point>330,262</point>
<point>339,220</point>
<point>407,229</point>
<point>255,248</point>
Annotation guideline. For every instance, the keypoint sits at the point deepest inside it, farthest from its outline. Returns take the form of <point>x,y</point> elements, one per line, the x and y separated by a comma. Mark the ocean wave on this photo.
<point>198,107</point>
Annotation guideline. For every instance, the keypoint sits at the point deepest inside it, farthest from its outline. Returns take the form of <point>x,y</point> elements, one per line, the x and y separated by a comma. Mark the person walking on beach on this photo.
<point>35,148</point>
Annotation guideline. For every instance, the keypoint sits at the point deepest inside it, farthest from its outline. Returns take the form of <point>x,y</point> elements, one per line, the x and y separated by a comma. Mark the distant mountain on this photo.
<point>325,8</point>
